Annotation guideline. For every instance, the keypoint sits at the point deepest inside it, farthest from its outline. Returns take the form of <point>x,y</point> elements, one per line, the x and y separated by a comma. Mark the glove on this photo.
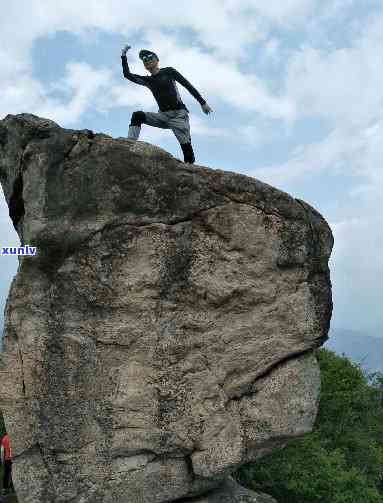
<point>125,50</point>
<point>206,108</point>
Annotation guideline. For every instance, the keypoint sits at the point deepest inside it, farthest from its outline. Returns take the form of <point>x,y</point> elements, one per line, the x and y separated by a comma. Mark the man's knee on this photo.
<point>137,118</point>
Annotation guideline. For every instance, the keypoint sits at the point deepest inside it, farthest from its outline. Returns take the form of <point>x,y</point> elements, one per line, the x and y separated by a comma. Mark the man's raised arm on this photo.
<point>192,90</point>
<point>137,79</point>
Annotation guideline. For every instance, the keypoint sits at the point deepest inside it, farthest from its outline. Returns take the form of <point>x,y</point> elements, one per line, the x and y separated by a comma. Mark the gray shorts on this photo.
<point>176,120</point>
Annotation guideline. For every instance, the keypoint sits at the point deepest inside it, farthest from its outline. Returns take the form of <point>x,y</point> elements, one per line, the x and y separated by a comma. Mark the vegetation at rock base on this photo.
<point>341,461</point>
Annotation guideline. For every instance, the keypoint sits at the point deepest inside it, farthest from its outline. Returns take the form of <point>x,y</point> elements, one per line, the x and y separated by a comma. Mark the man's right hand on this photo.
<point>125,50</point>
<point>205,107</point>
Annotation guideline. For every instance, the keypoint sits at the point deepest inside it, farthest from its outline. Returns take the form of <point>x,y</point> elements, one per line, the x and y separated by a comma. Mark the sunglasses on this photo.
<point>148,58</point>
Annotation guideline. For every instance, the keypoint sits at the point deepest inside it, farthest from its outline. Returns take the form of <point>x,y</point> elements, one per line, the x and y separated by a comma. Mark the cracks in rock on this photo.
<point>114,343</point>
<point>171,222</point>
<point>249,392</point>
<point>252,205</point>
<point>115,225</point>
<point>3,135</point>
<point>189,466</point>
<point>69,452</point>
<point>22,371</point>
<point>292,356</point>
<point>195,498</point>
<point>16,201</point>
<point>16,338</point>
<point>270,370</point>
<point>175,221</point>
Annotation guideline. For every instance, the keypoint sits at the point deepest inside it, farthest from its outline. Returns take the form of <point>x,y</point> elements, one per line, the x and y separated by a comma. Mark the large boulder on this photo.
<point>165,332</point>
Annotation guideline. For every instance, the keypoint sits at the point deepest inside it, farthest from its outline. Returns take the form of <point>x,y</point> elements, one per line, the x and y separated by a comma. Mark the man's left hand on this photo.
<point>206,108</point>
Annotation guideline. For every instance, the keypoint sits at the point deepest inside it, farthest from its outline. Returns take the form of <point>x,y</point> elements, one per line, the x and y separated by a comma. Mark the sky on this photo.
<point>296,89</point>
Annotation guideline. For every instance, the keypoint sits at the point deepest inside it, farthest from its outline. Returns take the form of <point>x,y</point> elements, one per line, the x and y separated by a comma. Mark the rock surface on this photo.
<point>230,492</point>
<point>165,332</point>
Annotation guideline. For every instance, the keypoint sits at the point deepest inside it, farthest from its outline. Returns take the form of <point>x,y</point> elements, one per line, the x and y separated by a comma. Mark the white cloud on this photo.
<point>86,87</point>
<point>272,49</point>
<point>131,95</point>
<point>357,271</point>
<point>288,11</point>
<point>211,22</point>
<point>201,127</point>
<point>338,152</point>
<point>340,85</point>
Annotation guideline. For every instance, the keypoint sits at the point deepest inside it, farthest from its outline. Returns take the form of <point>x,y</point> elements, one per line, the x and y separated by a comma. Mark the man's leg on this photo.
<point>7,475</point>
<point>12,487</point>
<point>187,150</point>
<point>159,119</point>
<point>135,125</point>
<point>181,128</point>
<point>3,490</point>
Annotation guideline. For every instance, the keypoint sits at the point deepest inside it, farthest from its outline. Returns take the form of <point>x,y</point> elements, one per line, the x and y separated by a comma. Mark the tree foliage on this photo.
<point>341,461</point>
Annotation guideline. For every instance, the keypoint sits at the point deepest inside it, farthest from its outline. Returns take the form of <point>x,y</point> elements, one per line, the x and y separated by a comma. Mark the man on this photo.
<point>6,460</point>
<point>172,113</point>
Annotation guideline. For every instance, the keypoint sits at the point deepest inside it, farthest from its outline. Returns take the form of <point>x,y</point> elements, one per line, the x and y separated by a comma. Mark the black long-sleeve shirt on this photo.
<point>163,86</point>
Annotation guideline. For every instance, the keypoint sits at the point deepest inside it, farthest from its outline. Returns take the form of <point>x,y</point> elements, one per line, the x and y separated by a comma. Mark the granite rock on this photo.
<point>165,332</point>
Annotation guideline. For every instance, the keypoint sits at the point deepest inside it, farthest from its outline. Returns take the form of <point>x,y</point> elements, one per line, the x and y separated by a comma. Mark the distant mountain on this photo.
<point>364,349</point>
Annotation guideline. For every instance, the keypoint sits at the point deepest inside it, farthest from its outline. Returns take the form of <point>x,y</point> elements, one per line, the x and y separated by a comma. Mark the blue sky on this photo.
<point>295,88</point>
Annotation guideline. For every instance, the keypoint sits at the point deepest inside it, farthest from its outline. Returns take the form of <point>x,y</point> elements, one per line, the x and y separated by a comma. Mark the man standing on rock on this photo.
<point>172,113</point>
